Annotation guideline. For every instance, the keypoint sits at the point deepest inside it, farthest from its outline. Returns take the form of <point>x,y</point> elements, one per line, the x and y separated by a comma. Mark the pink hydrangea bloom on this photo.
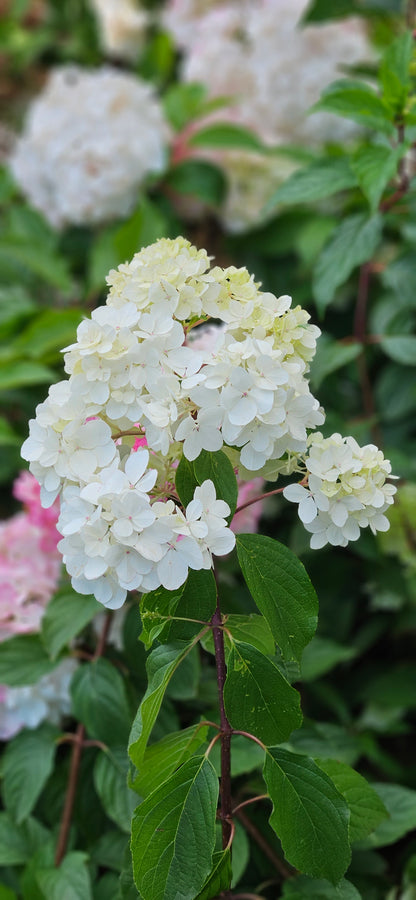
<point>29,561</point>
<point>247,521</point>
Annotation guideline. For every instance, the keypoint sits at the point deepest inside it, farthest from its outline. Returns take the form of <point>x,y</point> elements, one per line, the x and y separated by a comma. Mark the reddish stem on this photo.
<point>70,795</point>
<point>79,743</point>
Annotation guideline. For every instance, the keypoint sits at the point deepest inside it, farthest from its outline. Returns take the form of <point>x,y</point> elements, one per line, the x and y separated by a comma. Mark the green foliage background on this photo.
<point>340,239</point>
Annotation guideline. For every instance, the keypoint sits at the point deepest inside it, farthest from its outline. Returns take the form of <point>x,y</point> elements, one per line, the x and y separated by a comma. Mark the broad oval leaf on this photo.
<point>320,179</point>
<point>354,242</point>
<point>220,877</point>
<point>99,700</point>
<point>173,834</point>
<point>218,468</point>
<point>200,178</point>
<point>400,803</point>
<point>23,660</point>
<point>185,481</point>
<point>305,888</point>
<point>226,135</point>
<point>257,697</point>
<point>366,808</point>
<point>281,589</point>
<point>161,664</point>
<point>401,348</point>
<point>70,880</point>
<point>110,780</point>
<point>65,616</point>
<point>309,815</point>
<point>27,763</point>
<point>163,757</point>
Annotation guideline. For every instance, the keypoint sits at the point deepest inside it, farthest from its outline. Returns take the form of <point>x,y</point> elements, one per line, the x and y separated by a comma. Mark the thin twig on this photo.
<point>263,497</point>
<point>251,800</point>
<point>70,795</point>
<point>79,743</point>
<point>261,842</point>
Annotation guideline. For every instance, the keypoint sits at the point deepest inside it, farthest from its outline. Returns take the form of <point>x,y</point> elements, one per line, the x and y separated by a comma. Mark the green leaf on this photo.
<point>331,356</point>
<point>110,780</point>
<point>156,608</point>
<point>218,468</point>
<point>103,256</point>
<point>52,330</point>
<point>366,808</point>
<point>41,261</point>
<point>65,616</point>
<point>146,225</point>
<point>241,852</point>
<point>401,348</point>
<point>197,601</point>
<point>23,660</point>
<point>257,697</point>
<point>400,803</point>
<point>161,664</point>
<point>374,167</point>
<point>220,877</point>
<point>185,481</point>
<point>109,849</point>
<point>183,103</point>
<point>321,655</point>
<point>395,73</point>
<point>356,100</point>
<point>225,135</point>
<point>321,179</point>
<point>326,739</point>
<point>8,438</point>
<point>7,894</point>
<point>200,178</point>
<point>252,630</point>
<point>26,765</point>
<point>304,888</point>
<point>281,589</point>
<point>23,373</point>
<point>161,759</point>
<point>71,880</point>
<point>309,815</point>
<point>99,701</point>
<point>173,833</point>
<point>353,243</point>
<point>19,842</point>
<point>184,683</point>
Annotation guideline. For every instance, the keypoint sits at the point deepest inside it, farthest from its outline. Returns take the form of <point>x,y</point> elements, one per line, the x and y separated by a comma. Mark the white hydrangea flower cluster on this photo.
<point>346,490</point>
<point>273,67</point>
<point>134,381</point>
<point>122,25</point>
<point>46,700</point>
<point>90,139</point>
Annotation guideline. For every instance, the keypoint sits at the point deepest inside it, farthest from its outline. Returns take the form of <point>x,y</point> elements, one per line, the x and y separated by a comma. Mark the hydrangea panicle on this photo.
<point>90,139</point>
<point>147,387</point>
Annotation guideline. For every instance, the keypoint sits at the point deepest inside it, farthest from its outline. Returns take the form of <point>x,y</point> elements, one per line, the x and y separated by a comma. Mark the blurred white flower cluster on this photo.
<point>90,139</point>
<point>274,68</point>
<point>141,395</point>
<point>47,699</point>
<point>122,27</point>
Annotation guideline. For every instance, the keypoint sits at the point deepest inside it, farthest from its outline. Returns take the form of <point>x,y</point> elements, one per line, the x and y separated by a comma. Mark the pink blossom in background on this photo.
<point>247,521</point>
<point>29,561</point>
